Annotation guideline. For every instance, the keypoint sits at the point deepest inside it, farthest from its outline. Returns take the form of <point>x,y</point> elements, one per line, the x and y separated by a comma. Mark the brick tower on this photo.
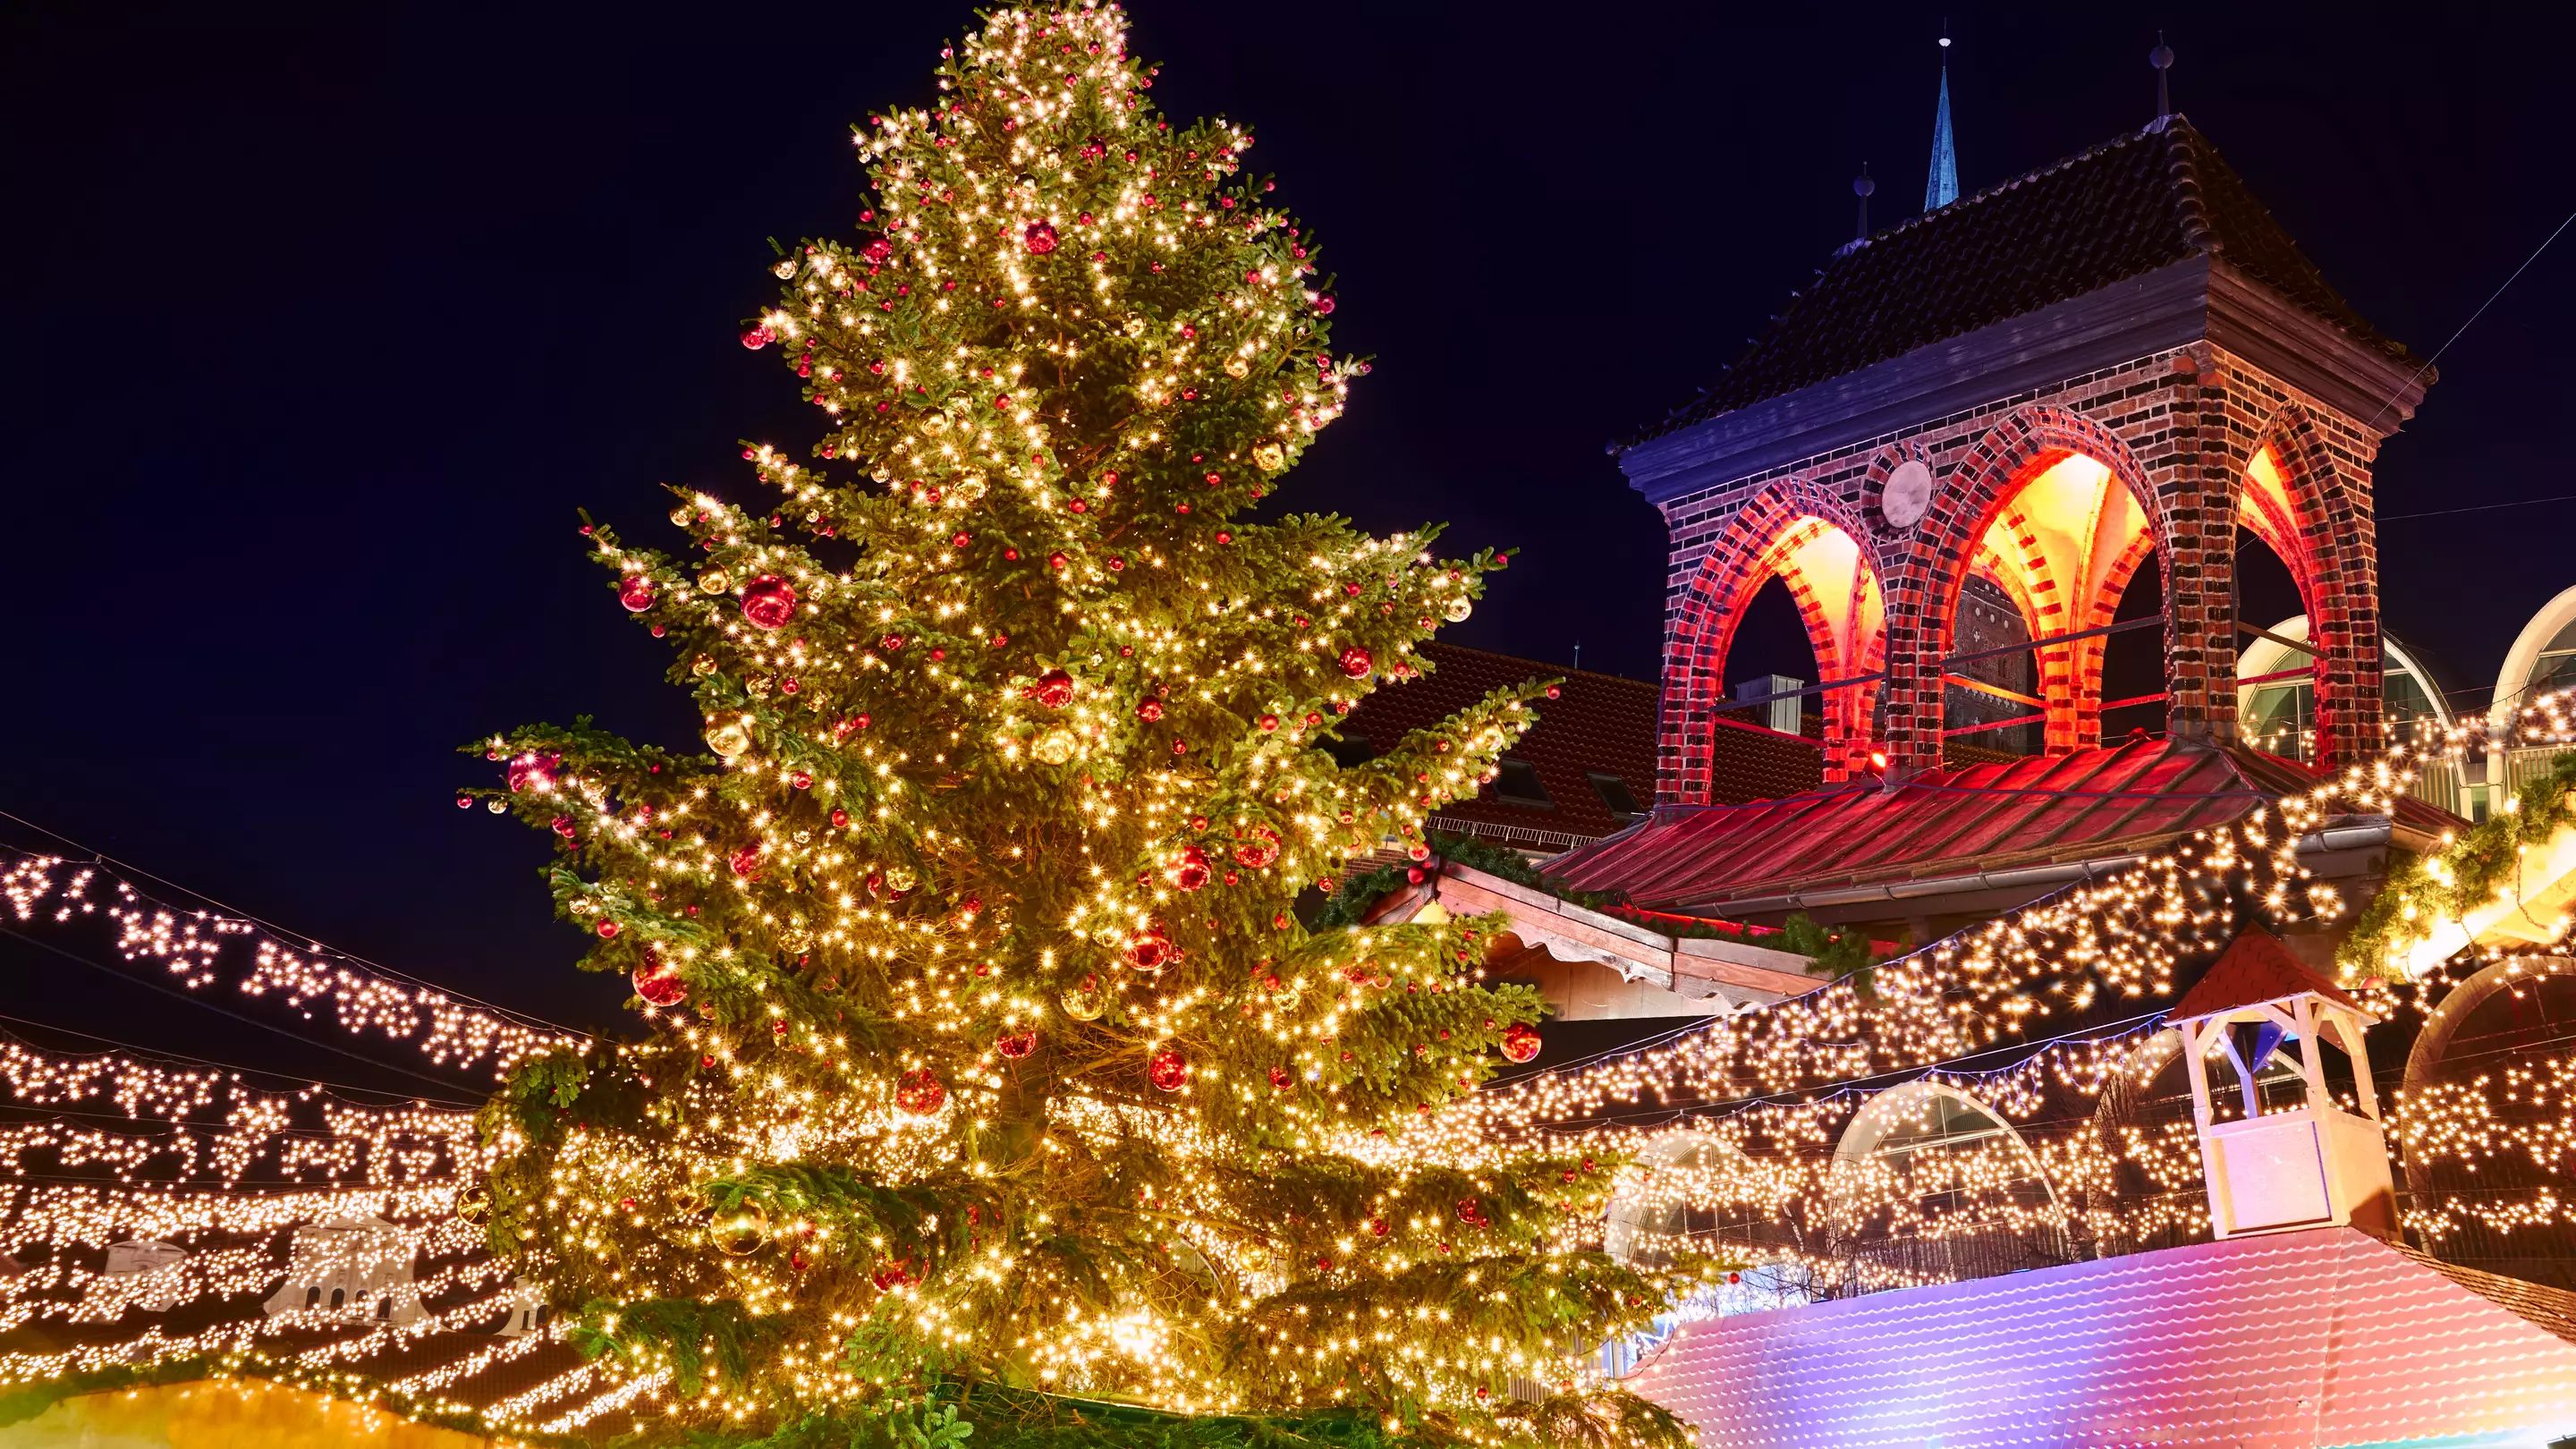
<point>2117,358</point>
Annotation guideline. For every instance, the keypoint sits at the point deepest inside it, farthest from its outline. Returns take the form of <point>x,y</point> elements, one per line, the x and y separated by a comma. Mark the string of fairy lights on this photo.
<point>209,954</point>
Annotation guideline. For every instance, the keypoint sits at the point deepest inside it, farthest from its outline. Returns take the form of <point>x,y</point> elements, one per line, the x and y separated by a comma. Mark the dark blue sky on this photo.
<point>319,324</point>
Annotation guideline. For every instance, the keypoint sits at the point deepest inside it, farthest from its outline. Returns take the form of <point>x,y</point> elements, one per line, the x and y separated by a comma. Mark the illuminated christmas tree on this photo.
<point>985,1050</point>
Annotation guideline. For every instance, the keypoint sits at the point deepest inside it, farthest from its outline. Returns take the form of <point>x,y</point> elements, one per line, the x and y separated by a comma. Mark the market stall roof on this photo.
<point>2327,1336</point>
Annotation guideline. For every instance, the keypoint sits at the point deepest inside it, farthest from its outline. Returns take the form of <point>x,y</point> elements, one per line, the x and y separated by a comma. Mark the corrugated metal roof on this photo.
<point>1987,817</point>
<point>2292,1341</point>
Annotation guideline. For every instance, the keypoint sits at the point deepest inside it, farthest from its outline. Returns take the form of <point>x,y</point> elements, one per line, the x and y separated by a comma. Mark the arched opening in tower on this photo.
<point>2054,562</point>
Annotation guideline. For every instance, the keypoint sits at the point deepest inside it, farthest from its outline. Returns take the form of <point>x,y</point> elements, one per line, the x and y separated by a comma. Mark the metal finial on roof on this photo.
<point>2162,59</point>
<point>1941,187</point>
<point>1862,186</point>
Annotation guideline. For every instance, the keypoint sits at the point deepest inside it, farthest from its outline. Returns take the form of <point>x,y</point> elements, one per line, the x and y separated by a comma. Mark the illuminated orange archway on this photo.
<point>1809,540</point>
<point>2296,497</point>
<point>2053,508</point>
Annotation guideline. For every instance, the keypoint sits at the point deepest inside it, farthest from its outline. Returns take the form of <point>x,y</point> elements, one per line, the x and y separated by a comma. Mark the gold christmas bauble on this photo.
<point>935,424</point>
<point>1135,326</point>
<point>703,665</point>
<point>729,740</point>
<point>715,581</point>
<point>881,473</point>
<point>1083,1000</point>
<point>1237,366</point>
<point>474,1205</point>
<point>1055,746</point>
<point>1269,457</point>
<point>757,686</point>
<point>743,1231</point>
<point>681,515</point>
<point>901,877</point>
<point>786,268</point>
<point>1459,608</point>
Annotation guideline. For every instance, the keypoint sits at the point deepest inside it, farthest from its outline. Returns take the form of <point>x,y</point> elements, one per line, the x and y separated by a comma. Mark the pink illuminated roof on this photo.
<point>2085,805</point>
<point>2322,1337</point>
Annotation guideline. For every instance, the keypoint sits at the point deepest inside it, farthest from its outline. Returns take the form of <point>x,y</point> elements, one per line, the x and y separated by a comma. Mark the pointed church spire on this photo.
<point>1942,186</point>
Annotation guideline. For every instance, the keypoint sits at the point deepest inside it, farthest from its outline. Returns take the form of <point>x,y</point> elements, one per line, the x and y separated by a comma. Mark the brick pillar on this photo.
<point>2195,479</point>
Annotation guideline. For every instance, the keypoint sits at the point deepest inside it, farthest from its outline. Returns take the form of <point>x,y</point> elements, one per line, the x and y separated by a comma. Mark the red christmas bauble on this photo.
<point>1054,689</point>
<point>1151,949</point>
<point>758,338</point>
<point>563,826</point>
<point>920,1092</point>
<point>746,862</point>
<point>1282,1079</point>
<point>1039,238</point>
<point>840,819</point>
<point>608,930</point>
<point>1149,710</point>
<point>1259,850</point>
<point>658,984</point>
<point>531,769</point>
<point>890,1275</point>
<point>1377,1227</point>
<point>877,250</point>
<point>1520,1042</point>
<point>1192,871</point>
<point>636,595</point>
<point>1356,662</point>
<point>769,601</point>
<point>1017,1044</point>
<point>1167,1069</point>
<point>1472,1213</point>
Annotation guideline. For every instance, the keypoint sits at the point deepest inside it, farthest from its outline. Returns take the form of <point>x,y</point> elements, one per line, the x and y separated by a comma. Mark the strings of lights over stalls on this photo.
<point>416,1164</point>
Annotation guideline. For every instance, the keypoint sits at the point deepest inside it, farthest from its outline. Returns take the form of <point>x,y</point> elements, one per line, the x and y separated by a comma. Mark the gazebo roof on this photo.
<point>2253,969</point>
<point>2135,204</point>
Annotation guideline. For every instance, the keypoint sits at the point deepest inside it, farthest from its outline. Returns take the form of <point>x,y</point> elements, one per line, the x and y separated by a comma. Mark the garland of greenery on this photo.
<point>2424,891</point>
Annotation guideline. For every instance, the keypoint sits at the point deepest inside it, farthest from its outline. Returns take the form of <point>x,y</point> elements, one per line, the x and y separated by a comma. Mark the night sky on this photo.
<point>320,324</point>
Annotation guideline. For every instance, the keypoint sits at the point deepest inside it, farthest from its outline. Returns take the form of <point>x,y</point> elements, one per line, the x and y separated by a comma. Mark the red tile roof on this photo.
<point>1599,723</point>
<point>2144,201</point>
<point>2283,1342</point>
<point>2254,968</point>
<point>2089,804</point>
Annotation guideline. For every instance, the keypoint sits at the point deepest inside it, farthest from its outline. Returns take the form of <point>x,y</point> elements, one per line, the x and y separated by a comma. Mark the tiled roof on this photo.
<point>2290,1341</point>
<point>2144,201</point>
<point>2254,968</point>
<point>1599,723</point>
<point>1942,823</point>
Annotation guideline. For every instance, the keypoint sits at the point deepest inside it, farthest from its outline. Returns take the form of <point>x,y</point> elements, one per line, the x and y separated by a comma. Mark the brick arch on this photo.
<point>1925,578</point>
<point>1755,547</point>
<point>2321,527</point>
